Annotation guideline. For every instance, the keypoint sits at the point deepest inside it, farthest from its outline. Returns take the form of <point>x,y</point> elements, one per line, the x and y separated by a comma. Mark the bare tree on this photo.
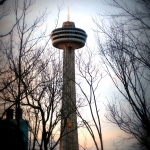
<point>44,101</point>
<point>89,76</point>
<point>31,78</point>
<point>5,11</point>
<point>125,53</point>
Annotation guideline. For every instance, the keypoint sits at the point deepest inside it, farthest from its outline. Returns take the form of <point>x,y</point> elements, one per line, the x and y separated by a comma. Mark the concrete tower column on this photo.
<point>69,118</point>
<point>68,38</point>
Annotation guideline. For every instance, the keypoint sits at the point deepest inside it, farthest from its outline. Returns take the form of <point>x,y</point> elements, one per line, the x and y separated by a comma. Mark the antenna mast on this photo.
<point>68,14</point>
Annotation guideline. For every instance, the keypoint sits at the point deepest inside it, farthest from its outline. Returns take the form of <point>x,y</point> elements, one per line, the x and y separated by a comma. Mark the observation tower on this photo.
<point>68,38</point>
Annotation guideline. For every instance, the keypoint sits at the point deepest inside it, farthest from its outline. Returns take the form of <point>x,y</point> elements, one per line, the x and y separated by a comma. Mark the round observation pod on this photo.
<point>68,36</point>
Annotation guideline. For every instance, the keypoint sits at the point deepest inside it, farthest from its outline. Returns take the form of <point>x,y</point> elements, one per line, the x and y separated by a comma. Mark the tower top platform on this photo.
<point>68,36</point>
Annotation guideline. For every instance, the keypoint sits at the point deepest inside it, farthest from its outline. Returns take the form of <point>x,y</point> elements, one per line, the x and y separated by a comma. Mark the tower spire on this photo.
<point>68,14</point>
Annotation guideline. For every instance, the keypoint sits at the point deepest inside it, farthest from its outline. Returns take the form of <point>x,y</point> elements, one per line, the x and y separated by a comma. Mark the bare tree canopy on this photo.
<point>125,51</point>
<point>88,81</point>
<point>31,79</point>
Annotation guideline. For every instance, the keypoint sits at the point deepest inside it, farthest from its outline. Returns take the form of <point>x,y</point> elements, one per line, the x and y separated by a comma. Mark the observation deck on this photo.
<point>68,36</point>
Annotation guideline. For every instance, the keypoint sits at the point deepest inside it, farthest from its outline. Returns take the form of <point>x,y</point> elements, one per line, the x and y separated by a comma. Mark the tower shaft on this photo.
<point>68,38</point>
<point>69,140</point>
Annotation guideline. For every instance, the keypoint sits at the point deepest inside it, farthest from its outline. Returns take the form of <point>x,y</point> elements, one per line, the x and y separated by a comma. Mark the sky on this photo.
<point>81,13</point>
